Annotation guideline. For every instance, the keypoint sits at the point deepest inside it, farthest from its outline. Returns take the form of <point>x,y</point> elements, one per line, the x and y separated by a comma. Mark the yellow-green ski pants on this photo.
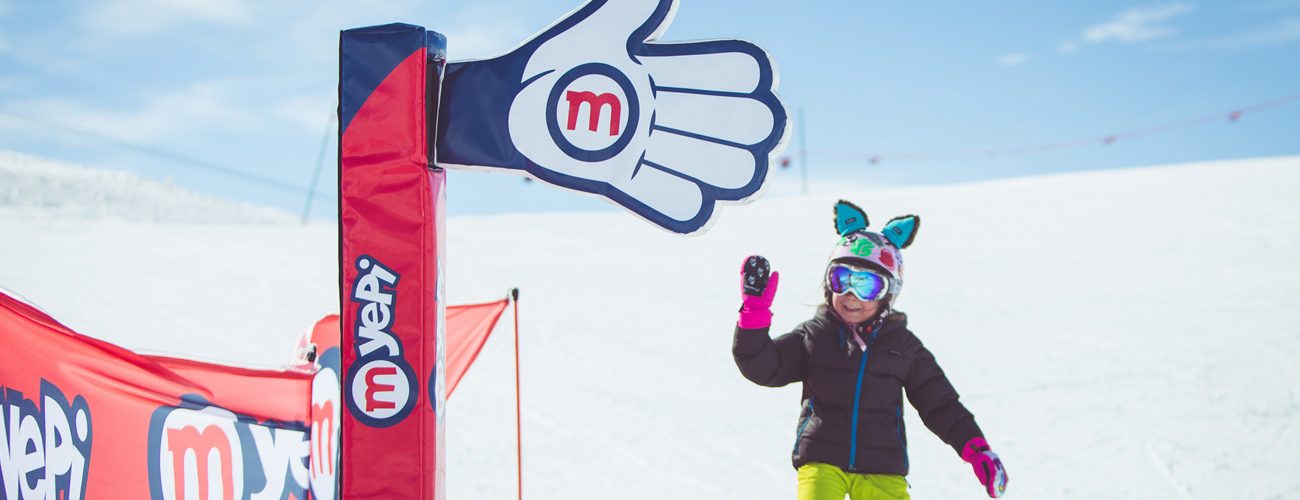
<point>818,481</point>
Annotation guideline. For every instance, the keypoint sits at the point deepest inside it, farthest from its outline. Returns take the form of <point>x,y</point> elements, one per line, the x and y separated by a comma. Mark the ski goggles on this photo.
<point>865,284</point>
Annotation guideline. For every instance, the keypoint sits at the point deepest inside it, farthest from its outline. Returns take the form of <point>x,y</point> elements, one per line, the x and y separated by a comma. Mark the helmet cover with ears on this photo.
<point>878,251</point>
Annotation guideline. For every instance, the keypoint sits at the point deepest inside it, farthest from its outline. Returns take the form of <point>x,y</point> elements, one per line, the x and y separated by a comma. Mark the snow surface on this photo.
<point>37,188</point>
<point>1118,334</point>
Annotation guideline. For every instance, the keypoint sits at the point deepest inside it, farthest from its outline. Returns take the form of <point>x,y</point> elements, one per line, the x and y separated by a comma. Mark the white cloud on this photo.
<point>1285,31</point>
<point>1068,47</point>
<point>1273,5</point>
<point>146,17</point>
<point>1013,59</point>
<point>165,116</point>
<point>310,112</point>
<point>1138,24</point>
<point>473,29</point>
<point>298,38</point>
<point>479,31</point>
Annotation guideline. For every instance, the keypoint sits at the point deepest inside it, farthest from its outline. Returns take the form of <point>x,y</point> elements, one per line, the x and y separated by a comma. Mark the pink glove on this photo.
<point>987,465</point>
<point>757,290</point>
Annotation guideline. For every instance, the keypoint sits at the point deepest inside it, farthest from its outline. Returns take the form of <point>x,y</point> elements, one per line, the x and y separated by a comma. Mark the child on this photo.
<point>855,358</point>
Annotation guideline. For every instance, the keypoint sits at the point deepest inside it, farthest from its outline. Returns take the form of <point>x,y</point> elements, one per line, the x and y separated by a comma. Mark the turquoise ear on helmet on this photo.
<point>849,218</point>
<point>902,230</point>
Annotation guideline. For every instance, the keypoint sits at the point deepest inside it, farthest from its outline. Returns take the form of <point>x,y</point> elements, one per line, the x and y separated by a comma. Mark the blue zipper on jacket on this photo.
<point>803,425</point>
<point>857,399</point>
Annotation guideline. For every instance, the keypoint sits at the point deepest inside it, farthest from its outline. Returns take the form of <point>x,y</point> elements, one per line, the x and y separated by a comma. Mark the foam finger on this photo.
<point>735,72</point>
<point>713,163</point>
<point>738,120</point>
<point>675,197</point>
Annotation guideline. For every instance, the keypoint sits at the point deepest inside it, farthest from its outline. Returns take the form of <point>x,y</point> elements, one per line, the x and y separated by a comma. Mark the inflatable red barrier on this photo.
<point>83,418</point>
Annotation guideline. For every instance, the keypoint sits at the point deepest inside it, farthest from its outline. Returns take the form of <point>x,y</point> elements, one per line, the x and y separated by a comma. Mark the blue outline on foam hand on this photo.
<point>477,95</point>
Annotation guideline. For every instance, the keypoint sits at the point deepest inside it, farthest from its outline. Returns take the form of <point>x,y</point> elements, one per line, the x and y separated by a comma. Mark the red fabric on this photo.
<point>245,390</point>
<point>390,240</point>
<point>468,328</point>
<point>127,396</point>
<point>326,333</point>
<point>113,410</point>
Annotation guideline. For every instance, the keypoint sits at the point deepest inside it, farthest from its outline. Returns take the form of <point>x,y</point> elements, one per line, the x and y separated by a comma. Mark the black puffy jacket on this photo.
<point>852,398</point>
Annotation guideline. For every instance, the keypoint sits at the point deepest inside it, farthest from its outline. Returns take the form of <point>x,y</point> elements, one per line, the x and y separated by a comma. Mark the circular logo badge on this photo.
<point>381,392</point>
<point>592,112</point>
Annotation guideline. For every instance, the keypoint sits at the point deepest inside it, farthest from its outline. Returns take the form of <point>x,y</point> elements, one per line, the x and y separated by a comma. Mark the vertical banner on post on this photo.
<point>391,241</point>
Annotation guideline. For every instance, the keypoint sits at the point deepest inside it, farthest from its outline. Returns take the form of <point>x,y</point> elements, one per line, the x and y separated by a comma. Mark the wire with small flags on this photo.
<point>1231,116</point>
<point>174,157</point>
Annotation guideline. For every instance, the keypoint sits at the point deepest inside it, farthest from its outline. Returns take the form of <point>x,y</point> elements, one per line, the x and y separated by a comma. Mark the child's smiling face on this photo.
<point>852,309</point>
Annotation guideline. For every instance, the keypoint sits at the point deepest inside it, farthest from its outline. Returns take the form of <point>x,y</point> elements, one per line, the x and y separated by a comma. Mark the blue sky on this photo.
<point>249,86</point>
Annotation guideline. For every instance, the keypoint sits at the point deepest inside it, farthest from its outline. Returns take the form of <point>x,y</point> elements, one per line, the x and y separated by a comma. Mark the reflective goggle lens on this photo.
<point>867,285</point>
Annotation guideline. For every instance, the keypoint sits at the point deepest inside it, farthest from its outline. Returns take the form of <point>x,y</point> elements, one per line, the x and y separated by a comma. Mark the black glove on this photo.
<point>755,274</point>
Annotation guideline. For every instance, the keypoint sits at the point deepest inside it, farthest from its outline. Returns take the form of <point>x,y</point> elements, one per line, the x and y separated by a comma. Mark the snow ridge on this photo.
<point>39,188</point>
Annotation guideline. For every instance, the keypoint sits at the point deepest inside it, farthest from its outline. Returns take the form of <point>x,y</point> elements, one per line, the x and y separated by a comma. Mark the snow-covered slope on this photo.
<point>1118,334</point>
<point>33,187</point>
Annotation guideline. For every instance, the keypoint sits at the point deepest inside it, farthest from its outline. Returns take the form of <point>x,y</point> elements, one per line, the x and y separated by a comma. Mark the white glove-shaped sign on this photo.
<point>594,104</point>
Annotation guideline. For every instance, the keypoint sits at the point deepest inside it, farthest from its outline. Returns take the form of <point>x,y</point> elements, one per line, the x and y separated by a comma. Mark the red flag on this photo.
<point>468,327</point>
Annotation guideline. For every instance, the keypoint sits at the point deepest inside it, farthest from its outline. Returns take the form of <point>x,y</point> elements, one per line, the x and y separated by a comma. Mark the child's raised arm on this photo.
<point>763,361</point>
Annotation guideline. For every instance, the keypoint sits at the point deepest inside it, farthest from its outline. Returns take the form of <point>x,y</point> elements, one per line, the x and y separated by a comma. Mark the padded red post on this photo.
<point>391,244</point>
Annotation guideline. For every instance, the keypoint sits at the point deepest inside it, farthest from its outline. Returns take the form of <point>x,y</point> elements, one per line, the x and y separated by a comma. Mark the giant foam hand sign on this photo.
<point>595,104</point>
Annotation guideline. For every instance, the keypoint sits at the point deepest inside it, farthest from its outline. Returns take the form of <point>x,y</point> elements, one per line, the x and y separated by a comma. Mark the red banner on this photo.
<point>82,418</point>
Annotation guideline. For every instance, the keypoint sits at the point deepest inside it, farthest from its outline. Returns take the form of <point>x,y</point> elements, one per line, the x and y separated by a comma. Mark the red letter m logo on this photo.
<point>595,103</point>
<point>374,387</point>
<point>189,440</point>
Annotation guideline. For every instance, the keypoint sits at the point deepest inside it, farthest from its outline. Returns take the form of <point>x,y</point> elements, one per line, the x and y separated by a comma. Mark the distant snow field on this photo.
<point>38,188</point>
<point>1118,334</point>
